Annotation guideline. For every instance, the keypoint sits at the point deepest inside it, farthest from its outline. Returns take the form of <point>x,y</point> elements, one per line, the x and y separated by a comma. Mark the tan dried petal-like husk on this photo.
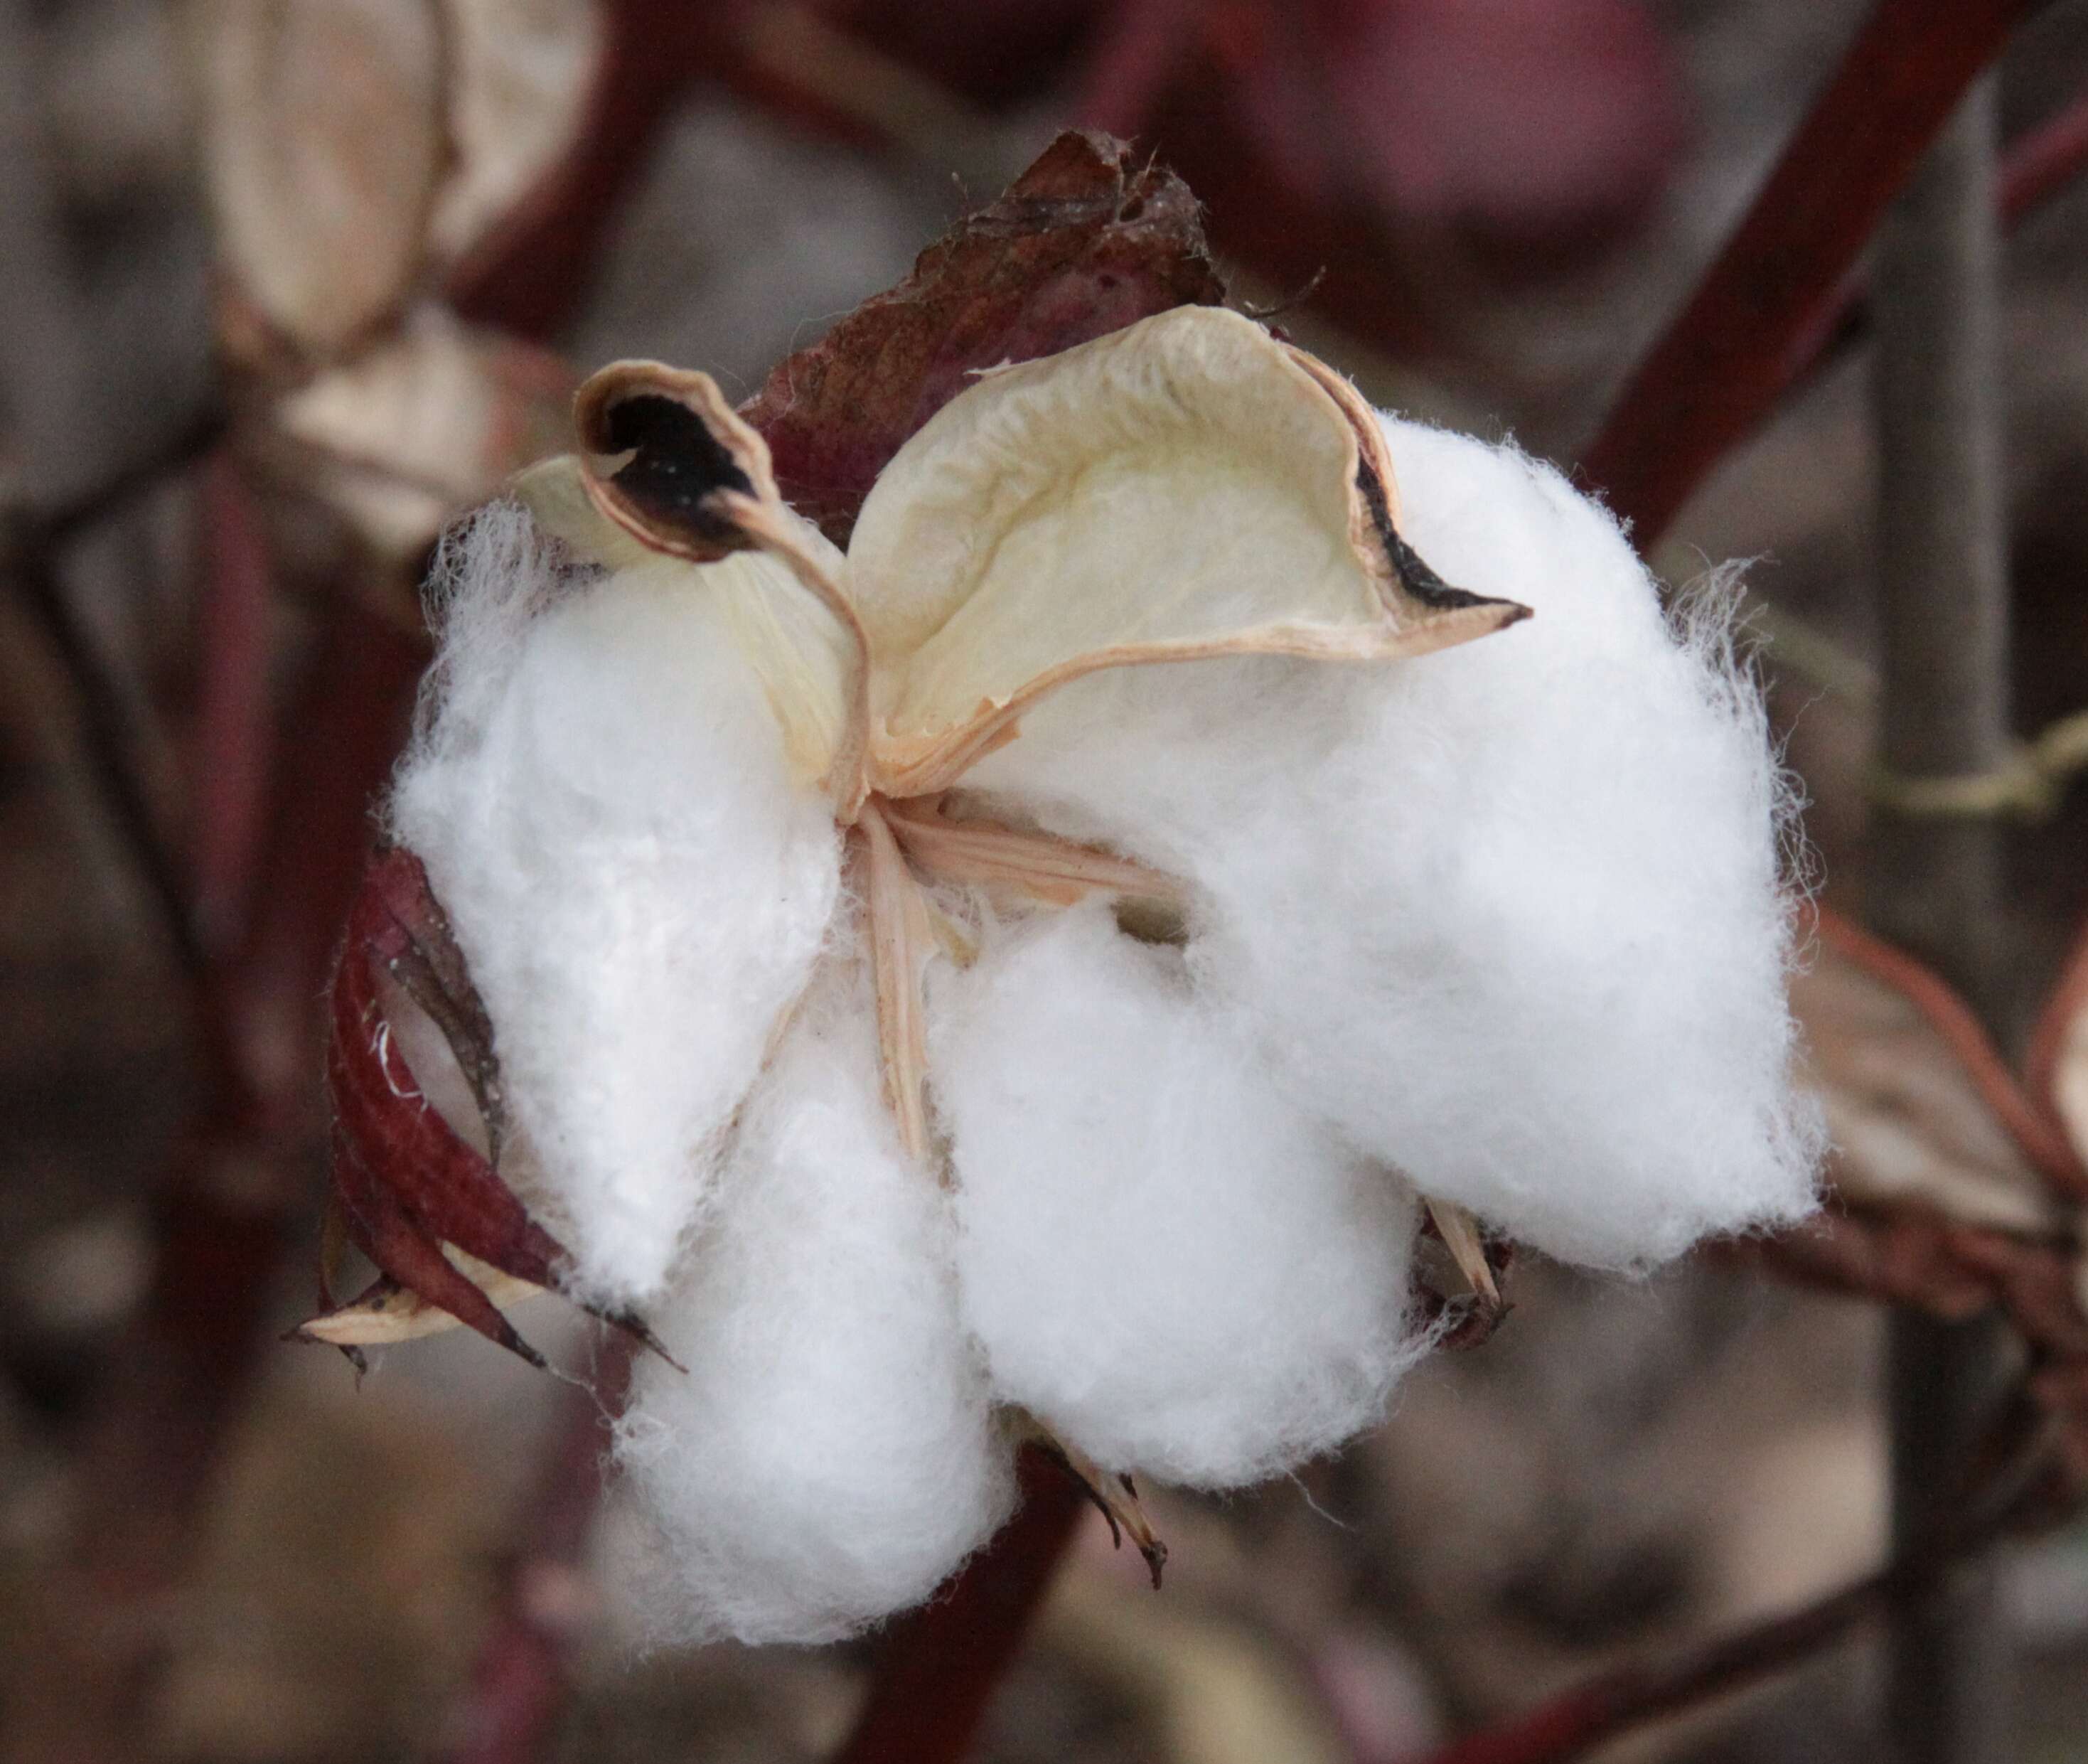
<point>388,1312</point>
<point>2059,1051</point>
<point>1186,487</point>
<point>521,71</point>
<point>323,144</point>
<point>1908,1123</point>
<point>806,657</point>
<point>1182,488</point>
<point>426,423</point>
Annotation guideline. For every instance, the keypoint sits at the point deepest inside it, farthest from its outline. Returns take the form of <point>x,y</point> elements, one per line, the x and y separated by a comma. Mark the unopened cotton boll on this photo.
<point>1164,1260</point>
<point>829,1455</point>
<point>1508,916</point>
<point>599,792</point>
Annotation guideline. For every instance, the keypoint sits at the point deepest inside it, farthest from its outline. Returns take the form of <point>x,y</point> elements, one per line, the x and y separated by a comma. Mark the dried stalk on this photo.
<point>1756,317</point>
<point>1936,885</point>
<point>941,1665</point>
<point>2006,1492</point>
<point>518,1687</point>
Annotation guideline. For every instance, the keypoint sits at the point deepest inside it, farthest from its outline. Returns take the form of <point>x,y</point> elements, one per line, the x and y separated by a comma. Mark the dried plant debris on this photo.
<point>1911,1123</point>
<point>1956,1187</point>
<point>1035,968</point>
<point>1088,240</point>
<point>448,1234</point>
<point>352,151</point>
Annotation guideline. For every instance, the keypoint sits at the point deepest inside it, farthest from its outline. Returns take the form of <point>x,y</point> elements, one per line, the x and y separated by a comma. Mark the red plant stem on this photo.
<point>518,1687</point>
<point>1756,318</point>
<point>2006,1485</point>
<point>1939,886</point>
<point>228,796</point>
<point>2022,1110</point>
<point>942,1664</point>
<point>153,1438</point>
<point>2041,162</point>
<point>1622,1702</point>
<point>106,731</point>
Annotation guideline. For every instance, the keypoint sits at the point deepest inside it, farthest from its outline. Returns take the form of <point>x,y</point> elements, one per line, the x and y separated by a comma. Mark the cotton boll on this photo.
<point>829,1457</point>
<point>600,793</point>
<point>1165,1261</point>
<point>1507,916</point>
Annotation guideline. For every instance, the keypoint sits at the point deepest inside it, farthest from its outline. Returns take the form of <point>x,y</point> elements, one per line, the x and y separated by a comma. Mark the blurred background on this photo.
<point>284,286</point>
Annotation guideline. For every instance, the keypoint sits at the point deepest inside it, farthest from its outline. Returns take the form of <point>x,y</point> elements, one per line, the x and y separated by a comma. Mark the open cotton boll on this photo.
<point>1508,915</point>
<point>600,793</point>
<point>830,1455</point>
<point>1164,1260</point>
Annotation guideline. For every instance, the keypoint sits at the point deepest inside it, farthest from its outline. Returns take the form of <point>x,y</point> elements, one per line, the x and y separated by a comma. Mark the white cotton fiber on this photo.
<point>599,791</point>
<point>1508,916</point>
<point>829,1456</point>
<point>1164,1260</point>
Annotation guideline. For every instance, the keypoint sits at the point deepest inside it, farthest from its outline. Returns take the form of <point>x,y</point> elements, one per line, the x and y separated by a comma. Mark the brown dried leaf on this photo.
<point>1913,1256</point>
<point>323,144</point>
<point>1921,1107</point>
<point>521,71</point>
<point>1085,242</point>
<point>2059,1051</point>
<point>423,424</point>
<point>439,1222</point>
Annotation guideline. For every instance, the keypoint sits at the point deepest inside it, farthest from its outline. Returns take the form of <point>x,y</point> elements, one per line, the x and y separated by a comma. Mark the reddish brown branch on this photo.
<point>1770,301</point>
<point>2011,1478</point>
<point>2041,162</point>
<point>529,276</point>
<point>518,1688</point>
<point>942,1664</point>
<point>230,751</point>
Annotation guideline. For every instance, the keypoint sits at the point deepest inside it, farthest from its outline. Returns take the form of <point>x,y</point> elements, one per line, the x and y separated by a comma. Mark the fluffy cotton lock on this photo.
<point>763,867</point>
<point>1510,916</point>
<point>596,788</point>
<point>829,1454</point>
<point>1162,1257</point>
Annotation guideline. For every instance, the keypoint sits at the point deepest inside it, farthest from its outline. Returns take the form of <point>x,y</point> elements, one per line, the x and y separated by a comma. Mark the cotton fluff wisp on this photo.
<point>1030,976</point>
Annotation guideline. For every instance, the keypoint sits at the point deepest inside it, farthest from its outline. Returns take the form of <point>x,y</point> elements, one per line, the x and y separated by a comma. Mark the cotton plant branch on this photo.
<point>1762,309</point>
<point>937,1668</point>
<point>508,1712</point>
<point>2018,1484</point>
<point>33,543</point>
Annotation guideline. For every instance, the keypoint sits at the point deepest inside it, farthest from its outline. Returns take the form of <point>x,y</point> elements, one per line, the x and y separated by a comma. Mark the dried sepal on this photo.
<point>1461,1235</point>
<point>1922,1106</point>
<point>294,98</point>
<point>1040,866</point>
<point>2057,1067</point>
<point>520,74</point>
<point>1480,1261</point>
<point>665,458</point>
<point>431,1213</point>
<point>1094,236</point>
<point>1114,1495</point>
<point>426,420</point>
<point>385,1313</point>
<point>1180,489</point>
